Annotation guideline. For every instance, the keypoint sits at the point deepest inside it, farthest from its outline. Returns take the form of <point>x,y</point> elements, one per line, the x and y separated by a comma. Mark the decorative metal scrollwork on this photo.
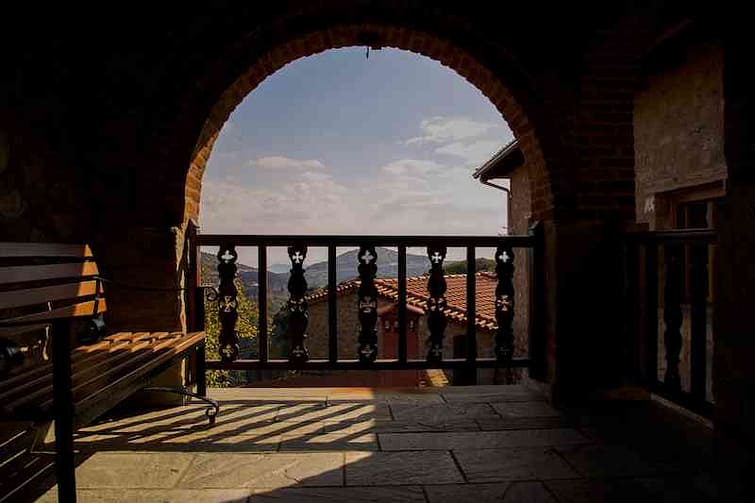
<point>297,305</point>
<point>504,303</point>
<point>367,304</point>
<point>228,344</point>
<point>436,303</point>
<point>672,316</point>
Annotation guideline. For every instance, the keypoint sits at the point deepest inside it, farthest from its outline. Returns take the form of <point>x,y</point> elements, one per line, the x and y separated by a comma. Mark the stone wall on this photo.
<point>521,217</point>
<point>678,130</point>
<point>348,332</point>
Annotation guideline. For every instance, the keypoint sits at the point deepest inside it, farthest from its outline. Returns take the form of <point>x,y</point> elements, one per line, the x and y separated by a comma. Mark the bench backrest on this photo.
<point>41,283</point>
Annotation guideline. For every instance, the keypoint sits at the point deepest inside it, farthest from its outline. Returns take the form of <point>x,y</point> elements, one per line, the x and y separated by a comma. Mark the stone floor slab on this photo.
<point>522,423</point>
<point>408,426</point>
<point>342,495</point>
<point>339,441</point>
<point>598,460</point>
<point>401,468</point>
<point>268,471</point>
<point>479,440</point>
<point>336,412</point>
<point>525,409</point>
<point>132,469</point>
<point>491,465</point>
<point>484,394</point>
<point>506,492</point>
<point>155,495</point>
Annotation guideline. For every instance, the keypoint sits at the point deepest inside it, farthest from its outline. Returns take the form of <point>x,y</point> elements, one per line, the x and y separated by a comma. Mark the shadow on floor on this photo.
<point>476,444</point>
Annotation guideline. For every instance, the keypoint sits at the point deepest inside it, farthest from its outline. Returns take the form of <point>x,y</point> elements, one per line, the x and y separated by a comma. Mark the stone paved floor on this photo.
<point>464,444</point>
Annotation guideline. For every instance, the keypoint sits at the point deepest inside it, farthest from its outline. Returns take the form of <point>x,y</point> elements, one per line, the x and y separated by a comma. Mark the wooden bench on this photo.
<point>53,292</point>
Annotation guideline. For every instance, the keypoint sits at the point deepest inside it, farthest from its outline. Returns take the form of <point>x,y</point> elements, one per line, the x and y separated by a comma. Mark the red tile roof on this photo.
<point>416,295</point>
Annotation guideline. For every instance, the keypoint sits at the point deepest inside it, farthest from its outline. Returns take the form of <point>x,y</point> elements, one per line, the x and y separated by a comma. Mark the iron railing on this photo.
<point>667,276</point>
<point>367,356</point>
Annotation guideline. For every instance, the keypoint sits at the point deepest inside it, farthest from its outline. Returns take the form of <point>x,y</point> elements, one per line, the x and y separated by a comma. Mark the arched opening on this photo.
<point>490,84</point>
<point>286,176</point>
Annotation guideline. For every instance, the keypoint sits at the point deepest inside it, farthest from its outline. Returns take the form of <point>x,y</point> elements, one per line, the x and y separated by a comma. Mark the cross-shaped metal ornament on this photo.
<point>297,257</point>
<point>227,256</point>
<point>436,258</point>
<point>504,257</point>
<point>367,257</point>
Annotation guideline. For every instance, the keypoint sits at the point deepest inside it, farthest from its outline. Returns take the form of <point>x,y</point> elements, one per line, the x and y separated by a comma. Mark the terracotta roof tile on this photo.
<point>416,295</point>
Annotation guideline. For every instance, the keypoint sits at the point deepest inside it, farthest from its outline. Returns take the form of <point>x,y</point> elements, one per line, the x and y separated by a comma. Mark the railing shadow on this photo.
<point>330,451</point>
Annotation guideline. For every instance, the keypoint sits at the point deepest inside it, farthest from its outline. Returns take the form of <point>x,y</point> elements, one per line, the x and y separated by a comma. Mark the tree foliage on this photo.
<point>460,267</point>
<point>247,333</point>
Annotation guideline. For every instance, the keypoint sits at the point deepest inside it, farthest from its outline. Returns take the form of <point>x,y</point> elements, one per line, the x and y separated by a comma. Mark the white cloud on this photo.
<point>412,167</point>
<point>287,163</point>
<point>471,141</point>
<point>448,129</point>
<point>476,152</point>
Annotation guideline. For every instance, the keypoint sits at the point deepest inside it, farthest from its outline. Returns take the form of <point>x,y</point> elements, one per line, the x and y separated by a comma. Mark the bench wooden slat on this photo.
<point>140,363</point>
<point>44,250</point>
<point>79,355</point>
<point>39,377</point>
<point>120,385</point>
<point>43,272</point>
<point>34,296</point>
<point>88,308</point>
<point>122,356</point>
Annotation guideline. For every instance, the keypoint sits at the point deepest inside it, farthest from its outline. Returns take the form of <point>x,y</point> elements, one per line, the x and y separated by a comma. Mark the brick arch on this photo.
<point>419,42</point>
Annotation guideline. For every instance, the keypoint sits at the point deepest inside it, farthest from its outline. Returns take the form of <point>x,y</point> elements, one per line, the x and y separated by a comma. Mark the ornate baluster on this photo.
<point>297,305</point>
<point>228,344</point>
<point>672,316</point>
<point>367,304</point>
<point>436,303</point>
<point>504,303</point>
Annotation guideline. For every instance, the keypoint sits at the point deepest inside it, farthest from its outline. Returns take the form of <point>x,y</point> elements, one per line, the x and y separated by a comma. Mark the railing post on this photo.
<point>332,305</point>
<point>262,348</point>
<point>698,320</point>
<point>367,304</point>
<point>650,315</point>
<point>504,303</point>
<point>436,303</point>
<point>470,373</point>
<point>536,326</point>
<point>193,275</point>
<point>402,342</point>
<point>672,315</point>
<point>228,303</point>
<point>297,305</point>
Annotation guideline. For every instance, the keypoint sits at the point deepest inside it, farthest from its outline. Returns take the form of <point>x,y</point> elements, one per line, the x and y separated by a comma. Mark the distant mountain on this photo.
<point>279,268</point>
<point>346,267</point>
<point>249,276</point>
<point>317,273</point>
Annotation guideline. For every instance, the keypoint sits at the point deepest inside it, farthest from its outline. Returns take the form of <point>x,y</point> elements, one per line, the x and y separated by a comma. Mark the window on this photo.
<point>697,209</point>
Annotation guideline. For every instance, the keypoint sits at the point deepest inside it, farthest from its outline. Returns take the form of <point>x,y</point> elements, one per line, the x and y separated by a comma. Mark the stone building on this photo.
<point>454,343</point>
<point>680,168</point>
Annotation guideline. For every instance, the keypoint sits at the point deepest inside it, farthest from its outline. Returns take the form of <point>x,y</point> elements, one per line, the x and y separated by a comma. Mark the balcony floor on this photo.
<point>458,444</point>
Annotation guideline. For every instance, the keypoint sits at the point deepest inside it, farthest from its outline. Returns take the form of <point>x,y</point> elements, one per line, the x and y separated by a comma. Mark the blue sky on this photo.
<point>340,144</point>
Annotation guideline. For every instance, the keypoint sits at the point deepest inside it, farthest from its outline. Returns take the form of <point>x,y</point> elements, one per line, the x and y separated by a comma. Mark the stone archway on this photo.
<point>569,106</point>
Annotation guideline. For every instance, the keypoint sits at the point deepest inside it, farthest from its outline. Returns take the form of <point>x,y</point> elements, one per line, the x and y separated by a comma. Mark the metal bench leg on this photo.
<point>201,370</point>
<point>65,467</point>
<point>211,412</point>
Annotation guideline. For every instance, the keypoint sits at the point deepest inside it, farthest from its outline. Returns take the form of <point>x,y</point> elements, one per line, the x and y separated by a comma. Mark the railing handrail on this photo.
<point>675,235</point>
<point>517,241</point>
<point>366,265</point>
